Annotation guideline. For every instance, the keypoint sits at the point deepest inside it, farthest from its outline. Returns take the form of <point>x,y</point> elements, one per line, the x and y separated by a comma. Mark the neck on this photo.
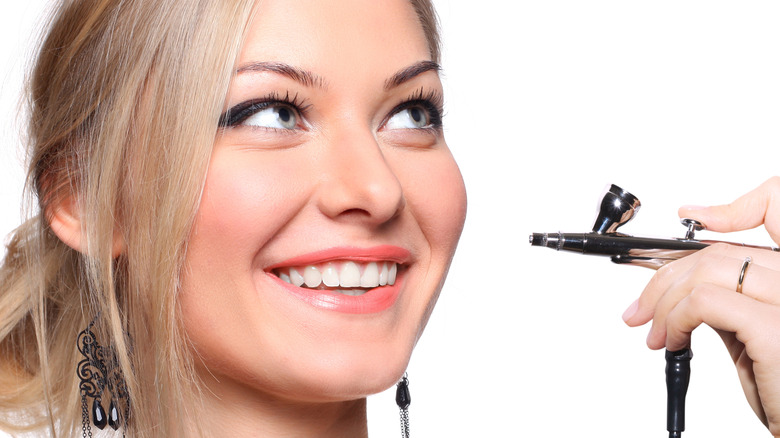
<point>232,409</point>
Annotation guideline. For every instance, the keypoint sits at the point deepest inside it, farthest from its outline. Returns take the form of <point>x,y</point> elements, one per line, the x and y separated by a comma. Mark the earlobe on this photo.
<point>65,222</point>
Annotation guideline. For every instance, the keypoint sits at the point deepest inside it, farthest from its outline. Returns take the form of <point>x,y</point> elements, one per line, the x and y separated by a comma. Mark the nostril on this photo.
<point>355,212</point>
<point>360,187</point>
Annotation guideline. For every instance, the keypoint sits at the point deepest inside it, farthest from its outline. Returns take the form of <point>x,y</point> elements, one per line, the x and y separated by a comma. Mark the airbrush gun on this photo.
<point>618,207</point>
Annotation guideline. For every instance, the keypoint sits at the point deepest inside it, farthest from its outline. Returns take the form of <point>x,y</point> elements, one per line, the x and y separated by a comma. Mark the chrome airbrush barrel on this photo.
<point>616,209</point>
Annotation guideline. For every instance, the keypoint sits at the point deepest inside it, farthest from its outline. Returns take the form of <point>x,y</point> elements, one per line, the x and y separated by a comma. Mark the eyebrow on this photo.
<point>304,77</point>
<point>310,79</point>
<point>410,72</point>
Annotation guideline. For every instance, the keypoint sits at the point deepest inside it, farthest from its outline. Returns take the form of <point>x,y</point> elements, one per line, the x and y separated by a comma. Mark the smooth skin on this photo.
<point>334,163</point>
<point>701,289</point>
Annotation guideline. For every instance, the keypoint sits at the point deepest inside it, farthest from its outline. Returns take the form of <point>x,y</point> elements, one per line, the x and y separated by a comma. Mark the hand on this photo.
<point>702,288</point>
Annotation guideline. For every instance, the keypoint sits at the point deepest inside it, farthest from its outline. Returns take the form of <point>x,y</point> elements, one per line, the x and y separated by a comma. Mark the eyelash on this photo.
<point>432,101</point>
<point>239,113</point>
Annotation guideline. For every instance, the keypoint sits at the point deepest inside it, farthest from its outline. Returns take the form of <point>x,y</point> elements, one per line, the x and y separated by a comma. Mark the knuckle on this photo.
<point>658,283</point>
<point>700,296</point>
<point>663,273</point>
<point>704,268</point>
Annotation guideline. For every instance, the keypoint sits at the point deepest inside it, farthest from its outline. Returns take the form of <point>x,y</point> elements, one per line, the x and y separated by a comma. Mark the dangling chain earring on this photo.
<point>403,399</point>
<point>99,373</point>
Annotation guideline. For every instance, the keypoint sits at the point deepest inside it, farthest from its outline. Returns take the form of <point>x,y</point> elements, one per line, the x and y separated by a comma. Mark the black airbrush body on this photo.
<point>618,207</point>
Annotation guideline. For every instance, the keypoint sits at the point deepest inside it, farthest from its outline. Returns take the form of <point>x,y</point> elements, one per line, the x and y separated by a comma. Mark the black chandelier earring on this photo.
<point>100,375</point>
<point>403,399</point>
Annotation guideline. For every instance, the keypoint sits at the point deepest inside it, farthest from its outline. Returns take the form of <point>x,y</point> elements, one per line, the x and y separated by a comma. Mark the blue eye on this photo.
<point>275,116</point>
<point>422,111</point>
<point>414,117</point>
<point>273,111</point>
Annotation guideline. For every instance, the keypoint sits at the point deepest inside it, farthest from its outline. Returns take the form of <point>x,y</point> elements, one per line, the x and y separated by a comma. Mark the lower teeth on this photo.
<point>351,292</point>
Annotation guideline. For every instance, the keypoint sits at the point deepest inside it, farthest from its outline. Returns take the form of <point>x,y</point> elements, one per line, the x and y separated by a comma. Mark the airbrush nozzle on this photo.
<point>550,240</point>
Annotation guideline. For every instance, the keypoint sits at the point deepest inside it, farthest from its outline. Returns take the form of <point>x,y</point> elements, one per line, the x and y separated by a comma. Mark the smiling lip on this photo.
<point>376,253</point>
<point>373,301</point>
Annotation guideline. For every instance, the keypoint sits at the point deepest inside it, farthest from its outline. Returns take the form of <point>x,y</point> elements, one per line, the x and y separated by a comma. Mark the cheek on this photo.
<point>244,203</point>
<point>436,197</point>
<point>246,200</point>
<point>435,192</point>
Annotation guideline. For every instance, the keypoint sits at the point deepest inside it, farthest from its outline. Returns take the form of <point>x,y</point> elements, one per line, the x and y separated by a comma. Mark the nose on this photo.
<point>358,184</point>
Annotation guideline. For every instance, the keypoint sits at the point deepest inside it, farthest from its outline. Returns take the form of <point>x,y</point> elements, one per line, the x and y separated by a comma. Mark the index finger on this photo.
<point>759,206</point>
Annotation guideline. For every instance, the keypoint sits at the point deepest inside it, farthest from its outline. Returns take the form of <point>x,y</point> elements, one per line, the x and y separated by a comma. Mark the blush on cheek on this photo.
<point>245,201</point>
<point>436,191</point>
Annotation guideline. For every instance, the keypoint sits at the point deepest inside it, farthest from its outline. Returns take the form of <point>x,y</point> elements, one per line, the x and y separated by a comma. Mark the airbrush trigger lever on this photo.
<point>693,226</point>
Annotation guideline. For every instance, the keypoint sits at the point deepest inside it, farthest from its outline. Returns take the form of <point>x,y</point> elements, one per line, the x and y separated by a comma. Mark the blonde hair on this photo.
<point>124,100</point>
<point>124,103</point>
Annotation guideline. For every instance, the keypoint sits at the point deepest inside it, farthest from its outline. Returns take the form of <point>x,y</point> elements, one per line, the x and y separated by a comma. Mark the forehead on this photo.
<point>336,36</point>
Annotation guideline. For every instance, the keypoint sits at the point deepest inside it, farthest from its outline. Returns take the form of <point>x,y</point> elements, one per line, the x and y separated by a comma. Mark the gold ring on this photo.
<point>745,264</point>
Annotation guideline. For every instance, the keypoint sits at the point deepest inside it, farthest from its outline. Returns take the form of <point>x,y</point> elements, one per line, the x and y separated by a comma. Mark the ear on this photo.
<point>65,222</point>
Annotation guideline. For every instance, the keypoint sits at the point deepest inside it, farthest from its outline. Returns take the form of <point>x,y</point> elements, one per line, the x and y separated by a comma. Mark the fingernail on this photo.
<point>631,311</point>
<point>693,207</point>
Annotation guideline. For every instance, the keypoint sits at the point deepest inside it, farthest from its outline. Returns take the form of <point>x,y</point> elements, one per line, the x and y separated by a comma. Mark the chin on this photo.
<point>351,376</point>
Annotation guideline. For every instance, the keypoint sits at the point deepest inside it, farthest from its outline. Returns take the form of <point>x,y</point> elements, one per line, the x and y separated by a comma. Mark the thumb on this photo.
<point>760,206</point>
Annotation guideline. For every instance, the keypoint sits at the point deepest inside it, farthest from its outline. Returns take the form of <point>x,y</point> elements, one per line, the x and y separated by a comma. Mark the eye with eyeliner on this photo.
<point>431,102</point>
<point>239,113</point>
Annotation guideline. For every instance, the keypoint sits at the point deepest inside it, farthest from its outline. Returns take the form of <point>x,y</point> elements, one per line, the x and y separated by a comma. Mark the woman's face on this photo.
<point>332,205</point>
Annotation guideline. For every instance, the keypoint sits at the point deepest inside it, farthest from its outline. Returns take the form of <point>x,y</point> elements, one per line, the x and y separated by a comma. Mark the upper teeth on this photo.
<point>341,274</point>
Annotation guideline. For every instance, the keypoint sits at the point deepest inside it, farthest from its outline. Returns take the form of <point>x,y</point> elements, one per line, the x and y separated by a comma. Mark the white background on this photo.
<point>547,102</point>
